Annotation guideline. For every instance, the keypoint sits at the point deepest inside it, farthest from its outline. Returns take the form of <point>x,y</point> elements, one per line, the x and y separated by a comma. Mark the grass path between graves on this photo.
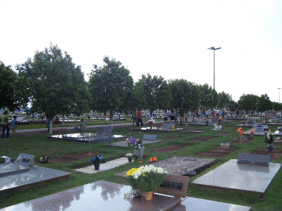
<point>40,145</point>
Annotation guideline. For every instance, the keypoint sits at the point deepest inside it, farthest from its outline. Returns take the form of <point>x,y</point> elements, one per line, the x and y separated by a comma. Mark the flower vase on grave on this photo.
<point>140,152</point>
<point>207,123</point>
<point>96,166</point>
<point>148,195</point>
<point>251,136</point>
<point>270,148</point>
<point>129,159</point>
<point>219,121</point>
<point>242,138</point>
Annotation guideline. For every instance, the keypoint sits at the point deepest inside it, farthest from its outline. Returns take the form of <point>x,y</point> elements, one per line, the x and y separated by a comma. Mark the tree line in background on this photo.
<point>55,85</point>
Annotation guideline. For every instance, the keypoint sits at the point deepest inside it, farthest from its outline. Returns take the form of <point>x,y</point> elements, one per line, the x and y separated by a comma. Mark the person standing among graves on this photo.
<point>81,127</point>
<point>5,124</point>
<point>48,122</point>
<point>14,126</point>
<point>186,117</point>
<point>223,112</point>
<point>134,118</point>
<point>172,116</point>
<point>207,113</point>
<point>139,117</point>
<point>165,116</point>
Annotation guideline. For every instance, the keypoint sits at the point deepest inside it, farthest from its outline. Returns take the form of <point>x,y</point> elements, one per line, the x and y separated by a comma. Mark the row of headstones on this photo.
<point>202,121</point>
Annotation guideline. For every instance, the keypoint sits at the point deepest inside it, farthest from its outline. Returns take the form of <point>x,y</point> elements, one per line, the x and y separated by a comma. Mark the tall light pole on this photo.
<point>279,94</point>
<point>214,49</point>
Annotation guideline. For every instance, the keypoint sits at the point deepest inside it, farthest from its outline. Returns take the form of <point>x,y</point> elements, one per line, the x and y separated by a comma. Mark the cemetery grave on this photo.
<point>22,173</point>
<point>216,152</point>
<point>125,143</point>
<point>180,166</point>
<point>201,138</point>
<point>74,156</point>
<point>237,140</point>
<point>274,155</point>
<point>169,148</point>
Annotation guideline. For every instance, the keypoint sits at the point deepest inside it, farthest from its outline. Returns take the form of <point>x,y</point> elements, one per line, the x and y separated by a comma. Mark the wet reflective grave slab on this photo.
<point>278,133</point>
<point>87,138</point>
<point>100,195</point>
<point>103,167</point>
<point>33,175</point>
<point>193,204</point>
<point>161,129</point>
<point>178,165</point>
<point>12,168</point>
<point>255,133</point>
<point>125,143</point>
<point>245,177</point>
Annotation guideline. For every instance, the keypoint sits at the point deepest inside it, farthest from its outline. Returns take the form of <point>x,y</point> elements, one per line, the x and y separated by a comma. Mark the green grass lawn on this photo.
<point>40,145</point>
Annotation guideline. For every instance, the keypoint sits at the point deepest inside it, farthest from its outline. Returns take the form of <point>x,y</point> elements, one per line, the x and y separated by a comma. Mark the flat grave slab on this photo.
<point>246,125</point>
<point>149,137</point>
<point>179,165</point>
<point>278,133</point>
<point>103,167</point>
<point>245,177</point>
<point>253,159</point>
<point>34,175</point>
<point>12,168</point>
<point>256,133</point>
<point>100,195</point>
<point>125,144</point>
<point>157,129</point>
<point>192,204</point>
<point>87,138</point>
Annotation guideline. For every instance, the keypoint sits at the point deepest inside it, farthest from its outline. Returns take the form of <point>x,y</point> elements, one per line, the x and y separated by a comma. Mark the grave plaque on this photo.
<point>262,160</point>
<point>225,145</point>
<point>217,127</point>
<point>168,125</point>
<point>149,137</point>
<point>25,160</point>
<point>259,128</point>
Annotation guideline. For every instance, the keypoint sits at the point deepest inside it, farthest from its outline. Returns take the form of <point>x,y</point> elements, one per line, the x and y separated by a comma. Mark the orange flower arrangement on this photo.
<point>239,130</point>
<point>153,159</point>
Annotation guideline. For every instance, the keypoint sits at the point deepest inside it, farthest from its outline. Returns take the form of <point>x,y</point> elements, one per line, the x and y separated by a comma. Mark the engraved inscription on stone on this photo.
<point>171,184</point>
<point>259,128</point>
<point>149,137</point>
<point>254,159</point>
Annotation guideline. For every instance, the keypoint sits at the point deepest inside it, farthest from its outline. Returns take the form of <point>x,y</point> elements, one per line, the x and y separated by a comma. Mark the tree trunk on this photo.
<point>111,116</point>
<point>63,123</point>
<point>105,113</point>
<point>51,125</point>
<point>151,114</point>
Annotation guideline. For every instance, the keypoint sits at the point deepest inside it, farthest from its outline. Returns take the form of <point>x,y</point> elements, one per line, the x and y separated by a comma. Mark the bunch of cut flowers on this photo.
<point>138,145</point>
<point>146,178</point>
<point>239,130</point>
<point>269,137</point>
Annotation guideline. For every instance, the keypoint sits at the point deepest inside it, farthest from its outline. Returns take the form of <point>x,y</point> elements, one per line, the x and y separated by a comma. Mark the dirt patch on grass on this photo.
<point>75,156</point>
<point>173,137</point>
<point>275,154</point>
<point>200,139</point>
<point>223,134</point>
<point>238,141</point>
<point>169,148</point>
<point>277,141</point>
<point>216,152</point>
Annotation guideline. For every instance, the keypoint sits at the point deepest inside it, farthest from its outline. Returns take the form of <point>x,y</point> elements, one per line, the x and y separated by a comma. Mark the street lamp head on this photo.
<point>213,48</point>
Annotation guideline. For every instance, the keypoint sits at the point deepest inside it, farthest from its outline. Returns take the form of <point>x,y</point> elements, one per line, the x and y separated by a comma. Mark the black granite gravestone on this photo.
<point>262,160</point>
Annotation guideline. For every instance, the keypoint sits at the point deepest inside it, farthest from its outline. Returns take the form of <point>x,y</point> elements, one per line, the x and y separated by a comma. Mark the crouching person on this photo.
<point>81,127</point>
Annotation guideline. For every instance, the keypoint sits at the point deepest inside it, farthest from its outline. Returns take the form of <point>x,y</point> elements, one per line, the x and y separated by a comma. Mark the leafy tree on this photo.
<point>277,106</point>
<point>224,100</point>
<point>110,87</point>
<point>8,95</point>
<point>248,102</point>
<point>156,92</point>
<point>53,83</point>
<point>209,97</point>
<point>185,95</point>
<point>263,103</point>
<point>233,105</point>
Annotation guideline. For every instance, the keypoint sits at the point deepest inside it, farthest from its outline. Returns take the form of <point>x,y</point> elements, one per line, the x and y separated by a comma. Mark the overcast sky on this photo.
<point>167,38</point>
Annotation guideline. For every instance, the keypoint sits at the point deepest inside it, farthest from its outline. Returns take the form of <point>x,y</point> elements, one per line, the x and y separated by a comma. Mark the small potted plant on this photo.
<point>129,157</point>
<point>139,148</point>
<point>97,160</point>
<point>269,138</point>
<point>146,178</point>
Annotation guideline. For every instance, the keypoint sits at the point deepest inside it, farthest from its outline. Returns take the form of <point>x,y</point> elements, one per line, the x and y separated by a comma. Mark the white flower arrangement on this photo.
<point>129,155</point>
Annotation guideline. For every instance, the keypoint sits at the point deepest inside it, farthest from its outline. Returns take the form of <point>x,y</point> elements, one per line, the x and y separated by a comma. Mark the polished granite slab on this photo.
<point>246,177</point>
<point>100,195</point>
<point>194,204</point>
<point>161,129</point>
<point>255,133</point>
<point>103,167</point>
<point>125,144</point>
<point>35,175</point>
<point>85,137</point>
<point>178,165</point>
<point>12,168</point>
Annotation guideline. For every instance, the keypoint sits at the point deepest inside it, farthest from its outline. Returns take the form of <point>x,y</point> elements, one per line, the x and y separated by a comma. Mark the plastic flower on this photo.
<point>252,130</point>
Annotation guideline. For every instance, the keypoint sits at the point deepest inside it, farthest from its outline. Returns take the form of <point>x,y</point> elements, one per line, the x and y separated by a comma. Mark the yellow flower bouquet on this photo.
<point>146,178</point>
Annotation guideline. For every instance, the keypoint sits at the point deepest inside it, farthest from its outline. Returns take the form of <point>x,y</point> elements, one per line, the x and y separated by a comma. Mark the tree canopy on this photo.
<point>8,95</point>
<point>248,102</point>
<point>185,95</point>
<point>156,92</point>
<point>209,97</point>
<point>263,103</point>
<point>110,87</point>
<point>53,83</point>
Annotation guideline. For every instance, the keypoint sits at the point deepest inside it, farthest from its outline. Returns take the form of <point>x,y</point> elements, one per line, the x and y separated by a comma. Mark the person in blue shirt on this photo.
<point>14,126</point>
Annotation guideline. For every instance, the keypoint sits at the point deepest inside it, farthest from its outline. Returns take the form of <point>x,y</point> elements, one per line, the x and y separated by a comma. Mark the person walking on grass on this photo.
<point>5,124</point>
<point>14,125</point>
